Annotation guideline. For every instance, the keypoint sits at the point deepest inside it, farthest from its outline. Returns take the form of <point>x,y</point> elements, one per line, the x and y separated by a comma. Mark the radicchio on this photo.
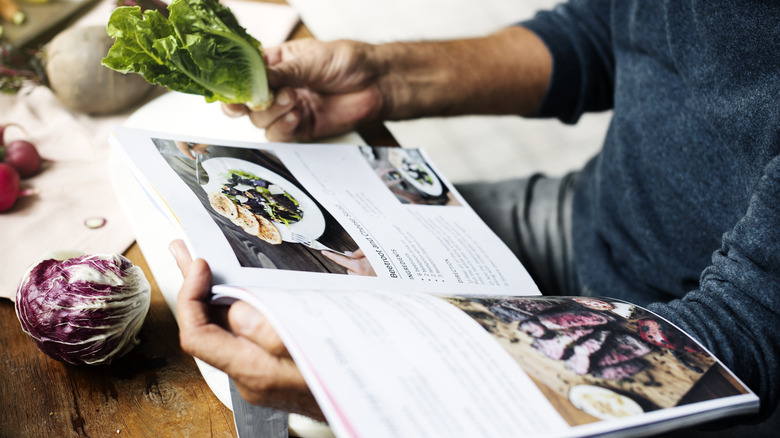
<point>84,310</point>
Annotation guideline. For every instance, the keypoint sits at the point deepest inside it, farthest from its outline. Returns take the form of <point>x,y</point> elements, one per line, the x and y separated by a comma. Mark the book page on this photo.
<point>334,216</point>
<point>397,364</point>
<point>404,364</point>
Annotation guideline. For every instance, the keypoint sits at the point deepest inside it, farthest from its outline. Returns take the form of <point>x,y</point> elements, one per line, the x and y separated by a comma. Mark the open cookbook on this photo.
<point>406,315</point>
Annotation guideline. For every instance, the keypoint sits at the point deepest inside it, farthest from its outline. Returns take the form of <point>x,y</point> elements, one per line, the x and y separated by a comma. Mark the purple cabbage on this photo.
<point>84,310</point>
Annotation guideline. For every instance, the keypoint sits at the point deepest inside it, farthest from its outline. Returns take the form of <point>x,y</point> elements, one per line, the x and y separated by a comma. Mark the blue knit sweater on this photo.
<point>681,208</point>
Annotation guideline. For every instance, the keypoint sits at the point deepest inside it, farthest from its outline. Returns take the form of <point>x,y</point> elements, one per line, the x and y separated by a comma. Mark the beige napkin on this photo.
<point>75,183</point>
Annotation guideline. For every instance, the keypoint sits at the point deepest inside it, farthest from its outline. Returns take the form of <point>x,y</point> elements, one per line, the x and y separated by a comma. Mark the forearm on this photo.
<point>504,73</point>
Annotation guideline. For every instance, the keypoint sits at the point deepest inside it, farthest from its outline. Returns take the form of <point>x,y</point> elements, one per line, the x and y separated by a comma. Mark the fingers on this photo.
<point>184,148</point>
<point>254,356</point>
<point>261,375</point>
<point>352,265</point>
<point>244,320</point>
<point>234,110</point>
<point>280,120</point>
<point>181,254</point>
<point>272,55</point>
<point>357,265</point>
<point>286,391</point>
<point>192,308</point>
<point>284,129</point>
<point>200,148</point>
<point>199,335</point>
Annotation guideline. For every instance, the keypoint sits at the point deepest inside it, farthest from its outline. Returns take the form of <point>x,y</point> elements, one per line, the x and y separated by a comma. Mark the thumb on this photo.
<point>179,251</point>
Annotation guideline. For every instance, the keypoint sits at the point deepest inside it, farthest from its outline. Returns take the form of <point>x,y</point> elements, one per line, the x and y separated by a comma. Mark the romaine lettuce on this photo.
<point>200,49</point>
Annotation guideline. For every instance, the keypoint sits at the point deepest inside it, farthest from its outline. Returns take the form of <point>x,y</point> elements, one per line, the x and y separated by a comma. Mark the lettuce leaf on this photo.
<point>200,49</point>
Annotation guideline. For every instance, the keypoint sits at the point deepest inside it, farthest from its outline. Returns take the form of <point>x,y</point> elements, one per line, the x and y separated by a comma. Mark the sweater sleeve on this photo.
<point>578,36</point>
<point>736,310</point>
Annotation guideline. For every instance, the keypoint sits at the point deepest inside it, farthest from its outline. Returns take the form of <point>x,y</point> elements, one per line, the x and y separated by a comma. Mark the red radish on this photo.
<point>23,156</point>
<point>9,186</point>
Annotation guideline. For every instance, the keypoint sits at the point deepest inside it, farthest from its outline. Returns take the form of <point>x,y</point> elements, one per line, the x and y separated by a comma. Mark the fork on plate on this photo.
<point>313,243</point>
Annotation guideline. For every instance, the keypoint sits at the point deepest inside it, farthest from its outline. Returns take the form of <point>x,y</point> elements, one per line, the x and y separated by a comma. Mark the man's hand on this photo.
<point>322,89</point>
<point>248,349</point>
<point>356,264</point>
<point>327,88</point>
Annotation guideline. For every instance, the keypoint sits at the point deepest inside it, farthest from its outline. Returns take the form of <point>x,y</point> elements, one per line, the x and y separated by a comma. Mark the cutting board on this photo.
<point>43,21</point>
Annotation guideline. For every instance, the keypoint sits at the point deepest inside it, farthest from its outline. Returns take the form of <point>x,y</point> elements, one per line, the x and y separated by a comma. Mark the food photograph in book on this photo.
<point>601,359</point>
<point>408,176</point>
<point>267,217</point>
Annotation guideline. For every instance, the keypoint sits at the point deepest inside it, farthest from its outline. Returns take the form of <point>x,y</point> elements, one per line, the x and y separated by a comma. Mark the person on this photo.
<point>355,262</point>
<point>677,212</point>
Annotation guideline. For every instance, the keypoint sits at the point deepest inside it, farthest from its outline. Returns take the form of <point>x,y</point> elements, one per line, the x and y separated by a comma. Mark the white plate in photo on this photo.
<point>311,225</point>
<point>415,171</point>
<point>603,403</point>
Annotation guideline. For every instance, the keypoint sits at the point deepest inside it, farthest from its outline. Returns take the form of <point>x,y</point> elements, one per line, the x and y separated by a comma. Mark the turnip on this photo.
<point>70,66</point>
<point>80,82</point>
<point>9,186</point>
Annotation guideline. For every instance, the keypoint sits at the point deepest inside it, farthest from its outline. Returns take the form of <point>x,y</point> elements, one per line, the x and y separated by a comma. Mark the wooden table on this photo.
<point>155,390</point>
